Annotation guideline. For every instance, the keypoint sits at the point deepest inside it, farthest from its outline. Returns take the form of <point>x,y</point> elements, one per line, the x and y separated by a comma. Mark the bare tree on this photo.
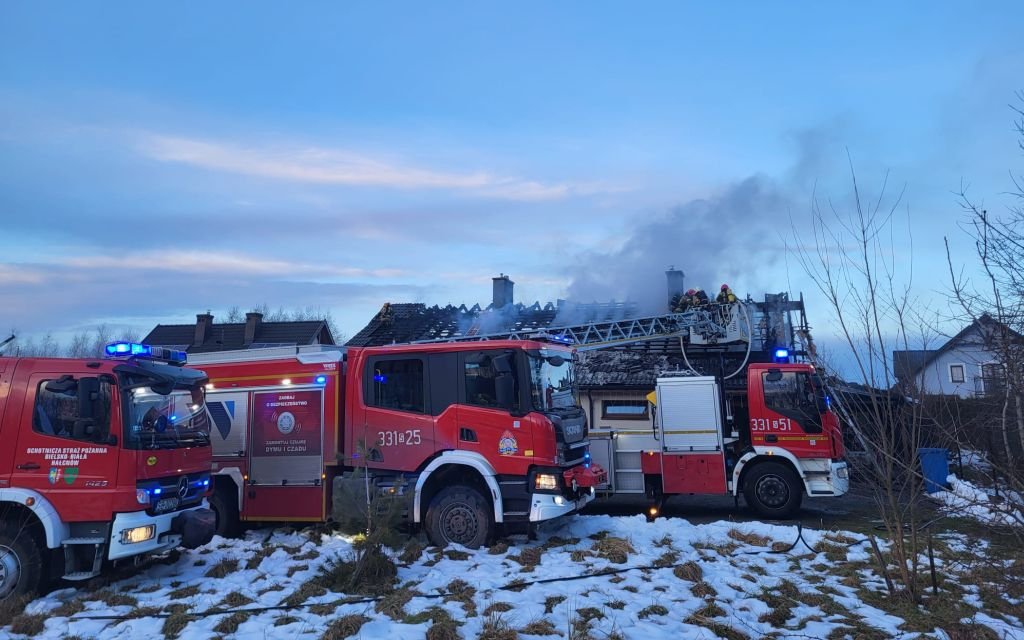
<point>855,255</point>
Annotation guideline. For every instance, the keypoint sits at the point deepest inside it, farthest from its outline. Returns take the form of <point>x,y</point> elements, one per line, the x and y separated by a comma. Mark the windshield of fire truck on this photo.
<point>552,385</point>
<point>170,421</point>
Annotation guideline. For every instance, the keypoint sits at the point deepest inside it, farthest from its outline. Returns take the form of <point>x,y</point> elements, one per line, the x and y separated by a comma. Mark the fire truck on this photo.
<point>104,460</point>
<point>780,442</point>
<point>471,437</point>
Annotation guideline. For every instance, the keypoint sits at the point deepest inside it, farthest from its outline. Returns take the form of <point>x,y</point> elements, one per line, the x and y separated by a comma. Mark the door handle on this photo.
<point>27,466</point>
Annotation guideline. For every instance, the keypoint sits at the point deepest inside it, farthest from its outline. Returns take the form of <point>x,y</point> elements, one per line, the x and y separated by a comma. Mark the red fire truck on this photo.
<point>474,436</point>
<point>774,444</point>
<point>104,460</point>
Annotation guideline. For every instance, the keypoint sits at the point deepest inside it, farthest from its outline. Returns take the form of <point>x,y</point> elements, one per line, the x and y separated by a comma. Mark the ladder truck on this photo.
<point>472,438</point>
<point>765,430</point>
<point>104,460</point>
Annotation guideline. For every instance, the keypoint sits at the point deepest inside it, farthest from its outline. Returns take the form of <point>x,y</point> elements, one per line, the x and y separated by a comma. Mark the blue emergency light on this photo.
<point>144,351</point>
<point>782,355</point>
<point>320,379</point>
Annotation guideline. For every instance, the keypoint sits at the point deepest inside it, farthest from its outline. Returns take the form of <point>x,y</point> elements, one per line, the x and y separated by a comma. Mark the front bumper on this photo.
<point>192,525</point>
<point>585,476</point>
<point>545,506</point>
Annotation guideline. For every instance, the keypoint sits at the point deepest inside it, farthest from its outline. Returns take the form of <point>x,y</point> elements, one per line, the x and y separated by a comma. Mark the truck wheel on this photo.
<point>773,490</point>
<point>21,563</point>
<point>461,515</point>
<point>224,503</point>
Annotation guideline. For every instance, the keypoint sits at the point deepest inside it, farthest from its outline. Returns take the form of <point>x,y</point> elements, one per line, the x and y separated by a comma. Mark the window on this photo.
<point>58,410</point>
<point>956,373</point>
<point>481,379</point>
<point>624,409</point>
<point>792,392</point>
<point>396,384</point>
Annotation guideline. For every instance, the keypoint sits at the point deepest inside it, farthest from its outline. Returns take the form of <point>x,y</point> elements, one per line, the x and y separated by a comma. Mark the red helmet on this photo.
<point>725,287</point>
<point>690,292</point>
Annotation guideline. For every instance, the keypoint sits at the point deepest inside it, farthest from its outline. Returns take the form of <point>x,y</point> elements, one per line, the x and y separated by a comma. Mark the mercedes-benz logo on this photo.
<point>183,487</point>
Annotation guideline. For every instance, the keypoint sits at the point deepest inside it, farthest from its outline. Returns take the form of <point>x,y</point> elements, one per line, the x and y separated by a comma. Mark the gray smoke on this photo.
<point>726,238</point>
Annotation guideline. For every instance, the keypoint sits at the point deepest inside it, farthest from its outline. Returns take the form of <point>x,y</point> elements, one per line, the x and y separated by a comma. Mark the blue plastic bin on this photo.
<point>935,467</point>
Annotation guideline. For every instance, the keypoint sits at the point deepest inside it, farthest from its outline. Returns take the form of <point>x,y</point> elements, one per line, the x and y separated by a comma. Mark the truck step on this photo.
<point>71,541</point>
<point>81,575</point>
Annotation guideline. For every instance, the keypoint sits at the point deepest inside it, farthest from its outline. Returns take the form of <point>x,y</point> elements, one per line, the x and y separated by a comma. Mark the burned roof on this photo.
<point>416,322</point>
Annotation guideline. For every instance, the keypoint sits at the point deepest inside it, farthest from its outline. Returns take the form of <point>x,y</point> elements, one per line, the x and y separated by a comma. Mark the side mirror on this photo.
<point>505,389</point>
<point>63,384</point>
<point>556,361</point>
<point>88,395</point>
<point>774,375</point>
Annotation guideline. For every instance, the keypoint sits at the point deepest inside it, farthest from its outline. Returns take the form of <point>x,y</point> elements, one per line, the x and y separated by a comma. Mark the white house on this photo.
<point>966,366</point>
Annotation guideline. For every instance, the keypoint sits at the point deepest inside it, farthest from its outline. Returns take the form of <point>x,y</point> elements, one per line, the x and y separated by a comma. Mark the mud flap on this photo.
<point>196,527</point>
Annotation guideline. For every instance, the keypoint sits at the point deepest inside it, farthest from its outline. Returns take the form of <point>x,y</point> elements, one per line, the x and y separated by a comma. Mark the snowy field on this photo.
<point>667,579</point>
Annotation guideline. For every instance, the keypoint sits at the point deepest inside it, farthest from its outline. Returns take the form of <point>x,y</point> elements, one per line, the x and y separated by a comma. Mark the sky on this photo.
<point>161,160</point>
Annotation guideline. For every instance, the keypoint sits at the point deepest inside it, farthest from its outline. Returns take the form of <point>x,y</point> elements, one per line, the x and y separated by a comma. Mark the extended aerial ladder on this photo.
<point>709,324</point>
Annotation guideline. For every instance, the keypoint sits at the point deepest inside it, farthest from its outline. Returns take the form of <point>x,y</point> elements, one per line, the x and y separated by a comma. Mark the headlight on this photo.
<point>545,482</point>
<point>142,496</point>
<point>138,534</point>
<point>843,473</point>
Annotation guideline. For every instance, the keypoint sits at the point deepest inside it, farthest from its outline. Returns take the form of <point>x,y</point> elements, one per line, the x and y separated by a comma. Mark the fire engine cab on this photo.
<point>103,460</point>
<point>473,436</point>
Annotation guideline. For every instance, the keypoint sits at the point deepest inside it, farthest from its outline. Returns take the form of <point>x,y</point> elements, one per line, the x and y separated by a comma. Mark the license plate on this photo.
<point>166,504</point>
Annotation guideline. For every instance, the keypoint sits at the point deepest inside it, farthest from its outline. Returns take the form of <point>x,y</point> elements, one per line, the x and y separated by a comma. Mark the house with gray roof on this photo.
<point>967,365</point>
<point>204,336</point>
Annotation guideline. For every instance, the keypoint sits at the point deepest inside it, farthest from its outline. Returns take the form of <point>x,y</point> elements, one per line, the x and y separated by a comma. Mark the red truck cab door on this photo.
<point>784,413</point>
<point>392,423</point>
<point>58,455</point>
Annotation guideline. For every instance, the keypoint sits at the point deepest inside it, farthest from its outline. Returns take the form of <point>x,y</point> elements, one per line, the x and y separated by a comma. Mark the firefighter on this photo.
<point>725,296</point>
<point>700,298</point>
<point>678,303</point>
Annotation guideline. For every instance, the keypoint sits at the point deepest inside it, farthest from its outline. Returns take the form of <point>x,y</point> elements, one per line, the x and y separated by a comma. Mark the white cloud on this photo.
<point>317,165</point>
<point>222,263</point>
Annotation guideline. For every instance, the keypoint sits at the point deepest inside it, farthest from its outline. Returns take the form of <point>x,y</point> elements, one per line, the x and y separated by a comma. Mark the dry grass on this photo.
<point>67,609</point>
<point>529,558</point>
<point>498,607</point>
<point>412,552</point>
<point>223,568</point>
<point>580,555</point>
<point>460,591</point>
<point>556,541</point>
<point>144,612</point>
<point>689,571</point>
<point>749,538</point>
<point>653,610</point>
<point>229,624</point>
<point>613,549</point>
<point>539,628</point>
<point>495,627</point>
<point>236,599</point>
<point>174,624</point>
<point>393,604</point>
<point>295,568</point>
<point>551,602</point>
<point>453,554</point>
<point>703,590</point>
<point>345,627</point>
<point>29,625</point>
<point>283,620</point>
<point>833,552</point>
<point>498,548</point>
<point>667,559</point>
<point>254,561</point>
<point>616,604</point>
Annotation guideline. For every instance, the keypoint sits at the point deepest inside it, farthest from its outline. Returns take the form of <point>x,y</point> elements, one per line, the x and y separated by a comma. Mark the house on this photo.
<point>967,365</point>
<point>613,381</point>
<point>204,336</point>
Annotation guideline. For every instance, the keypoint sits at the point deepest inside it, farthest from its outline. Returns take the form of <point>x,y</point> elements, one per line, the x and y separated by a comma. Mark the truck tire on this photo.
<point>21,562</point>
<point>459,515</point>
<point>224,503</point>
<point>773,490</point>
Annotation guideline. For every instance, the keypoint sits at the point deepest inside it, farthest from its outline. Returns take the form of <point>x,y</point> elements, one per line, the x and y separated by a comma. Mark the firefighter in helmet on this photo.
<point>726,296</point>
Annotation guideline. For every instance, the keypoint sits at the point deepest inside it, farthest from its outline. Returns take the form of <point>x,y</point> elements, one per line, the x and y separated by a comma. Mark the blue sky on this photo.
<point>159,161</point>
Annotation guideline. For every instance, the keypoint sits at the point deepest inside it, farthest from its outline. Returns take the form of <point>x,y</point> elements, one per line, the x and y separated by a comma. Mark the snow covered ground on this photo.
<point>966,500</point>
<point>722,579</point>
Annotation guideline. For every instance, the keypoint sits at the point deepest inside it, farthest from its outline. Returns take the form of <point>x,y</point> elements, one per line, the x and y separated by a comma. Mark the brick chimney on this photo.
<point>204,321</point>
<point>503,286</point>
<point>676,279</point>
<point>253,320</point>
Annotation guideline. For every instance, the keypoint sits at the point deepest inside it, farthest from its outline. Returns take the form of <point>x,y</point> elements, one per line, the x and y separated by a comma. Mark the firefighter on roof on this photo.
<point>699,298</point>
<point>726,296</point>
